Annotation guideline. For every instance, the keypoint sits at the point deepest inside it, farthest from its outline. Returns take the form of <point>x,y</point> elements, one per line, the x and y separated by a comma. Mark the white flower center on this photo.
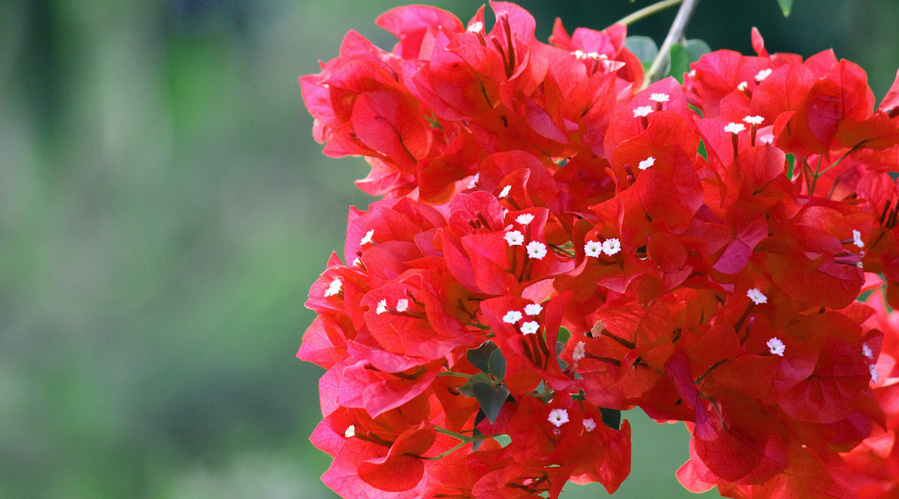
<point>646,163</point>
<point>857,239</point>
<point>776,346</point>
<point>368,238</point>
<point>763,74</point>
<point>579,351</point>
<point>514,238</point>
<point>333,288</point>
<point>642,111</point>
<point>558,417</point>
<point>593,248</point>
<point>536,249</point>
<point>866,351</point>
<point>350,431</point>
<point>767,139</point>
<point>475,27</point>
<point>742,86</point>
<point>530,327</point>
<point>757,296</point>
<point>589,425</point>
<point>754,120</point>
<point>524,218</point>
<point>533,308</point>
<point>474,181</point>
<point>505,192</point>
<point>611,246</point>
<point>382,307</point>
<point>402,305</point>
<point>874,374</point>
<point>734,127</point>
<point>659,97</point>
<point>512,316</point>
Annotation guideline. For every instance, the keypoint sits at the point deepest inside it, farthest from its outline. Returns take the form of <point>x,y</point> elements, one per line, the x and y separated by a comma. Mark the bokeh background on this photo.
<point>164,209</point>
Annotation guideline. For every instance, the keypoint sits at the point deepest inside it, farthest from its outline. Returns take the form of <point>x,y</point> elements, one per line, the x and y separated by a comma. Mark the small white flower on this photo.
<point>514,238</point>
<point>579,54</point>
<point>659,97</point>
<point>382,307</point>
<point>598,328</point>
<point>589,425</point>
<point>592,55</point>
<point>757,296</point>
<point>593,248</point>
<point>866,351</point>
<point>763,74</point>
<point>646,163</point>
<point>874,374</point>
<point>642,111</point>
<point>742,86</point>
<point>505,192</point>
<point>475,27</point>
<point>776,346</point>
<point>734,127</point>
<point>334,288</point>
<point>357,262</point>
<point>857,239</point>
<point>533,308</point>
<point>692,73</point>
<point>524,218</point>
<point>579,351</point>
<point>530,327</point>
<point>558,417</point>
<point>611,246</point>
<point>474,181</point>
<point>402,305</point>
<point>754,120</point>
<point>767,139</point>
<point>350,431</point>
<point>512,316</point>
<point>536,249</point>
<point>368,238</point>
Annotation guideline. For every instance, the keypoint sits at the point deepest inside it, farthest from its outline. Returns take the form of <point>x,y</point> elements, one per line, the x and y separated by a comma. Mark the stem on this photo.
<point>454,449</point>
<point>647,11</point>
<point>675,34</point>
<point>454,373</point>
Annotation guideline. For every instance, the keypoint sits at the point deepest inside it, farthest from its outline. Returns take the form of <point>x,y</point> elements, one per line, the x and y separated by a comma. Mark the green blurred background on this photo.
<point>164,209</point>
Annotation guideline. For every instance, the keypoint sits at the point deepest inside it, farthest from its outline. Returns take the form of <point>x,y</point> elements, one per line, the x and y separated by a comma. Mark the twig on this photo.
<point>647,11</point>
<point>675,34</point>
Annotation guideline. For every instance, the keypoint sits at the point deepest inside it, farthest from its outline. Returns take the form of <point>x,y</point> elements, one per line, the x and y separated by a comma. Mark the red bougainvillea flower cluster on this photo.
<point>559,241</point>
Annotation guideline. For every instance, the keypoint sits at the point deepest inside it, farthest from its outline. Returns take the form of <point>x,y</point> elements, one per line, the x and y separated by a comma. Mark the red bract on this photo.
<point>559,244</point>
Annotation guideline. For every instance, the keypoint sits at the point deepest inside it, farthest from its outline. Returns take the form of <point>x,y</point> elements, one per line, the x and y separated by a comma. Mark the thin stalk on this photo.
<point>647,11</point>
<point>675,34</point>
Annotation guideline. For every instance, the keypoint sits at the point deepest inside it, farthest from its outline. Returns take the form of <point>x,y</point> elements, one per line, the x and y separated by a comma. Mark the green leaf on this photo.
<point>702,151</point>
<point>496,364</point>
<point>785,6</point>
<point>791,160</point>
<point>491,399</point>
<point>680,62</point>
<point>480,356</point>
<point>696,48</point>
<point>560,347</point>
<point>685,54</point>
<point>611,418</point>
<point>643,47</point>
<point>563,336</point>
<point>477,379</point>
